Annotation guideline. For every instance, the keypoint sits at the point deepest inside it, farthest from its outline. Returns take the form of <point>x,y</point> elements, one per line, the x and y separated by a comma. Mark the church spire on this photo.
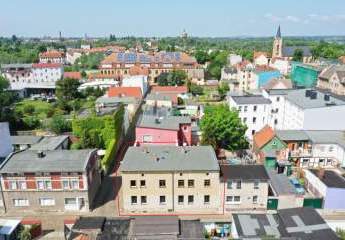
<point>279,35</point>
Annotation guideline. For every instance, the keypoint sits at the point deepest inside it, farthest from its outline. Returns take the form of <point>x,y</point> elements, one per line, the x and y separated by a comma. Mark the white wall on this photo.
<point>136,81</point>
<point>315,182</point>
<point>326,118</point>
<point>5,140</point>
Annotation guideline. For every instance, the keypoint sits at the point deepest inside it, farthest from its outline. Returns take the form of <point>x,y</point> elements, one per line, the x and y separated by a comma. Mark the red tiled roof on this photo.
<point>262,137</point>
<point>103,76</point>
<point>171,89</point>
<point>258,54</point>
<point>125,92</point>
<point>137,70</point>
<point>52,54</point>
<point>73,75</point>
<point>46,65</point>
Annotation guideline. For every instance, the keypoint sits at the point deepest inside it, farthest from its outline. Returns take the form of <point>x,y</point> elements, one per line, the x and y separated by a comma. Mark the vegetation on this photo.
<point>24,234</point>
<point>6,100</point>
<point>59,124</point>
<point>298,55</point>
<point>328,50</point>
<point>86,62</point>
<point>222,128</point>
<point>218,60</point>
<point>196,89</point>
<point>341,233</point>
<point>223,89</point>
<point>173,78</point>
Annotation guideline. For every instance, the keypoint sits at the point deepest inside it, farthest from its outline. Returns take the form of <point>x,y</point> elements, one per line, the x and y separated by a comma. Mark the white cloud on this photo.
<point>310,18</point>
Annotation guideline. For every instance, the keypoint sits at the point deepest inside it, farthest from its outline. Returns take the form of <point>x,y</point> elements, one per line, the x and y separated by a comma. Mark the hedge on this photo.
<point>110,154</point>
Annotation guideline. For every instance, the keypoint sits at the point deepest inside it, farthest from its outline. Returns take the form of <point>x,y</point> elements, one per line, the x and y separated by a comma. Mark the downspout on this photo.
<point>173,191</point>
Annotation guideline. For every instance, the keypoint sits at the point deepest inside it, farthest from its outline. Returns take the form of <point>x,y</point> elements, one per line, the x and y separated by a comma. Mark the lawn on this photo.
<point>41,108</point>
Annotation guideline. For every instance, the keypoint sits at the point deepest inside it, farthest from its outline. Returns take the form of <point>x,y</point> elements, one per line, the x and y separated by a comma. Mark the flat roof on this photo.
<point>281,184</point>
<point>169,158</point>
<point>49,143</point>
<point>52,161</point>
<point>330,178</point>
<point>116,100</point>
<point>25,139</point>
<point>244,172</point>
<point>154,226</point>
<point>159,97</point>
<point>165,122</point>
<point>292,135</point>
<point>249,99</point>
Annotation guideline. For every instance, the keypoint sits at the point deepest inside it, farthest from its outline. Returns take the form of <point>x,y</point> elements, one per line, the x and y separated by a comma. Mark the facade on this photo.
<point>245,187</point>
<point>253,111</point>
<point>170,179</point>
<point>166,130</point>
<point>283,66</point>
<point>234,59</point>
<point>157,63</point>
<point>52,56</point>
<point>59,180</point>
<point>6,143</point>
<point>261,58</point>
<point>333,79</point>
<point>328,185</point>
<point>136,81</point>
<point>264,74</point>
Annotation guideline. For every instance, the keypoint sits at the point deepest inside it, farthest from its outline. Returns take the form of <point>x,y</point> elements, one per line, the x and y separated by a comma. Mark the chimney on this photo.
<point>326,97</point>
<point>40,154</point>
<point>321,173</point>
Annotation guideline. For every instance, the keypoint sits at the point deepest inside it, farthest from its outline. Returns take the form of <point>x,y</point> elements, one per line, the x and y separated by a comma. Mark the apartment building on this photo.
<point>52,56</point>
<point>333,79</point>
<point>121,63</point>
<point>58,180</point>
<point>245,187</point>
<point>170,179</point>
<point>253,111</point>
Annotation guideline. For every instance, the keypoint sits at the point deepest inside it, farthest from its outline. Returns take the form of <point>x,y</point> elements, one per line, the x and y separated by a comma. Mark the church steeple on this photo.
<point>278,35</point>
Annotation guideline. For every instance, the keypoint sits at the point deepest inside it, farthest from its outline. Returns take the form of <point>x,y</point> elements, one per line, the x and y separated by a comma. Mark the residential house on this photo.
<point>108,105</point>
<point>173,92</point>
<point>278,83</point>
<point>158,99</point>
<point>261,58</point>
<point>234,59</point>
<point>282,65</point>
<point>327,184</point>
<point>245,79</point>
<point>264,74</point>
<point>136,81</point>
<point>73,75</point>
<point>333,79</point>
<point>170,180</point>
<point>58,180</point>
<point>6,143</point>
<point>23,142</point>
<point>163,130</point>
<point>294,223</point>
<point>97,80</point>
<point>125,92</point>
<point>245,187</point>
<point>52,56</point>
<point>253,111</point>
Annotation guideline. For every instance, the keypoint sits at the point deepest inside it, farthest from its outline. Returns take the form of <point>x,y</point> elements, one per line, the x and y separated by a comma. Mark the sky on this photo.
<point>160,18</point>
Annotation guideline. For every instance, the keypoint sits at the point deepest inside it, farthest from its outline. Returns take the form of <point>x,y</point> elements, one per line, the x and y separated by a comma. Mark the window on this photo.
<point>40,185</point>
<point>162,183</point>
<point>244,120</point>
<point>180,183</point>
<point>238,184</point>
<point>142,183</point>
<point>275,121</point>
<point>255,108</point>
<point>75,184</point>
<point>256,184</point>
<point>190,199</point>
<point>22,185</point>
<point>13,185</point>
<point>254,119</point>
<point>278,98</point>
<point>330,149</point>
<point>229,184</point>
<point>191,183</point>
<point>162,200</point>
<point>65,184</point>
<point>143,199</point>
<point>134,200</point>
<point>147,138</point>
<point>47,201</point>
<point>245,108</point>
<point>240,108</point>
<point>207,182</point>
<point>180,199</point>
<point>133,183</point>
<point>20,202</point>
<point>255,199</point>
<point>207,199</point>
<point>253,132</point>
<point>237,199</point>
<point>229,199</point>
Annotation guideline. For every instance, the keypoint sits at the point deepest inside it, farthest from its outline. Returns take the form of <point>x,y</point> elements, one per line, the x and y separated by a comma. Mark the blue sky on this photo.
<point>217,18</point>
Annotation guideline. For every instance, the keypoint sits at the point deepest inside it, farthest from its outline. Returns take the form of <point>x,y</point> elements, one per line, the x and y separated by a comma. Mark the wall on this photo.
<point>314,184</point>
<point>326,118</point>
<point>152,191</point>
<point>335,198</point>
<point>5,138</point>
<point>159,136</point>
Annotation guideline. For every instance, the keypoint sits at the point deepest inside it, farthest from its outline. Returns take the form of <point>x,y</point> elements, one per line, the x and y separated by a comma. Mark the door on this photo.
<point>272,204</point>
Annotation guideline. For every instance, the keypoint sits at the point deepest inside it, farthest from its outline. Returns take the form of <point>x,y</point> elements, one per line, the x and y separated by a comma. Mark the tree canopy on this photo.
<point>6,100</point>
<point>222,128</point>
<point>298,55</point>
<point>173,78</point>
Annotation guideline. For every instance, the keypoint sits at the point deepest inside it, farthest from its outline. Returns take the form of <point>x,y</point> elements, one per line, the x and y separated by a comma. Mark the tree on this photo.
<point>201,57</point>
<point>60,125</point>
<point>6,100</point>
<point>173,78</point>
<point>25,234</point>
<point>218,60</point>
<point>222,128</point>
<point>223,89</point>
<point>67,89</point>
<point>196,89</point>
<point>341,233</point>
<point>298,55</point>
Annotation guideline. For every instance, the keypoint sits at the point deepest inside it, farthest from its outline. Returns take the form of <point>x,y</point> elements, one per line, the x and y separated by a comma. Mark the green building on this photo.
<point>303,75</point>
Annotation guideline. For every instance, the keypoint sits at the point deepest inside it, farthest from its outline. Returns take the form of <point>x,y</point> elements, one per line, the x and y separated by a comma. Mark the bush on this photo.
<point>29,109</point>
<point>31,122</point>
<point>109,155</point>
<point>59,124</point>
<point>76,146</point>
<point>196,90</point>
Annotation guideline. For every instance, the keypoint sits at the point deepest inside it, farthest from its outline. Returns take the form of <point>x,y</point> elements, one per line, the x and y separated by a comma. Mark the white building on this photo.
<point>136,81</point>
<point>282,65</point>
<point>253,111</point>
<point>72,55</point>
<point>5,137</point>
<point>261,58</point>
<point>52,56</point>
<point>234,59</point>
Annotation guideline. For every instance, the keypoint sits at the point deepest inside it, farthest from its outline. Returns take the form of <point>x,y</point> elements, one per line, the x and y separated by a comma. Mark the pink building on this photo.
<point>169,130</point>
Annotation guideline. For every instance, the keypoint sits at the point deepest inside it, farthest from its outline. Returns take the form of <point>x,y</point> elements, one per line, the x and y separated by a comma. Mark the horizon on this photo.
<point>219,18</point>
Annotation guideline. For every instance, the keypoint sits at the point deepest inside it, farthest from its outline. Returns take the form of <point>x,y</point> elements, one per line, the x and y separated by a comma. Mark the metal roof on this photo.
<point>244,172</point>
<point>292,135</point>
<point>25,139</point>
<point>330,178</point>
<point>49,143</point>
<point>52,161</point>
<point>169,158</point>
<point>251,100</point>
<point>281,184</point>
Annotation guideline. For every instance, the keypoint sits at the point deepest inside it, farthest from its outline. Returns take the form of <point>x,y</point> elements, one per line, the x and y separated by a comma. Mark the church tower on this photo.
<point>277,45</point>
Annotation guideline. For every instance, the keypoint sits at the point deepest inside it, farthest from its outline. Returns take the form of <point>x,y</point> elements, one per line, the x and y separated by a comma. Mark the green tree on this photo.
<point>196,89</point>
<point>341,233</point>
<point>201,57</point>
<point>67,89</point>
<point>298,55</point>
<point>218,60</point>
<point>25,234</point>
<point>222,128</point>
<point>173,78</point>
<point>6,100</point>
<point>223,89</point>
<point>59,124</point>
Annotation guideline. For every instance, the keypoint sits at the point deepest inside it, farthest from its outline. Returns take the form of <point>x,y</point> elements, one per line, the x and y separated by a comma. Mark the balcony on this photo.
<point>300,153</point>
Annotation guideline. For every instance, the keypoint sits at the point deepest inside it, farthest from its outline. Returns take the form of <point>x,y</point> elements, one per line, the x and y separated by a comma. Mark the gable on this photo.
<point>274,144</point>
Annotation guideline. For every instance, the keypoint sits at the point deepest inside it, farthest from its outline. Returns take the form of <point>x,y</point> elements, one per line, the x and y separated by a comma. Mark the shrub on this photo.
<point>59,124</point>
<point>29,109</point>
<point>109,155</point>
<point>31,122</point>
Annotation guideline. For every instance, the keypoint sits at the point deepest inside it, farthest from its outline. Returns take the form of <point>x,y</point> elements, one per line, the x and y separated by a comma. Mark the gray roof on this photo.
<point>244,172</point>
<point>230,69</point>
<point>150,227</point>
<point>52,161</point>
<point>167,122</point>
<point>281,184</point>
<point>158,97</point>
<point>289,51</point>
<point>115,100</point>
<point>256,99</point>
<point>330,178</point>
<point>297,97</point>
<point>327,137</point>
<point>16,65</point>
<point>25,139</point>
<point>292,135</point>
<point>49,143</point>
<point>294,223</point>
<point>191,229</point>
<point>169,158</point>
<point>334,69</point>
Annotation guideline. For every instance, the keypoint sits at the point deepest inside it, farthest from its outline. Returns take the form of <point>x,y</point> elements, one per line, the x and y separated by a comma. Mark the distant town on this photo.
<point>172,138</point>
